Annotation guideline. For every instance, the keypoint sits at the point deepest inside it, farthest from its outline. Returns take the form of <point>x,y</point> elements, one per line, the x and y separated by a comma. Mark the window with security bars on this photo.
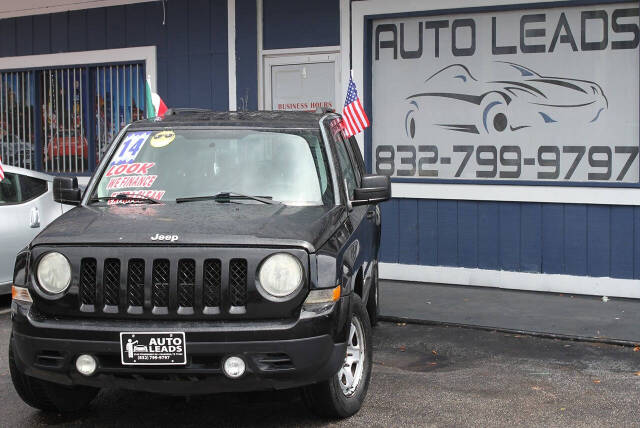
<point>61,120</point>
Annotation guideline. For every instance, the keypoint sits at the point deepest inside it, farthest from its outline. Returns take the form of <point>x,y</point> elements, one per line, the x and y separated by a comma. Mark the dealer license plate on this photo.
<point>153,348</point>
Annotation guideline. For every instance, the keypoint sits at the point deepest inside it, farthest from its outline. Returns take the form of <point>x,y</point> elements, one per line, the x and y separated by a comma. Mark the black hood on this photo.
<point>204,223</point>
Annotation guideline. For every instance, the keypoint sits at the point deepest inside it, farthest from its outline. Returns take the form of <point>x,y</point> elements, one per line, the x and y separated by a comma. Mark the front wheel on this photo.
<point>342,395</point>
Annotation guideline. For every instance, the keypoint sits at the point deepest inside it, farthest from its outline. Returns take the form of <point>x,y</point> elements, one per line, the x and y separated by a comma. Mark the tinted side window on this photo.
<point>357,155</point>
<point>348,172</point>
<point>32,187</point>
<point>10,189</point>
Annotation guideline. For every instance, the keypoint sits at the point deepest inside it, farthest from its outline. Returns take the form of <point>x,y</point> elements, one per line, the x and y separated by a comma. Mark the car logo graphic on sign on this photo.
<point>159,237</point>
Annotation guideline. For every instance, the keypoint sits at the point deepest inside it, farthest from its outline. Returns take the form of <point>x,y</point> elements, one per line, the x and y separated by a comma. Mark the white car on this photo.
<point>26,207</point>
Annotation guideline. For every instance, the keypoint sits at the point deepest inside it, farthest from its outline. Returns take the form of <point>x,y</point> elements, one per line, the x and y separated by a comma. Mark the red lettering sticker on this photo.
<point>130,168</point>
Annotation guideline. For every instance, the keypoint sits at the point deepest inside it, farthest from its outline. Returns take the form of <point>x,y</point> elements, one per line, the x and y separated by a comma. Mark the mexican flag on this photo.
<point>155,106</point>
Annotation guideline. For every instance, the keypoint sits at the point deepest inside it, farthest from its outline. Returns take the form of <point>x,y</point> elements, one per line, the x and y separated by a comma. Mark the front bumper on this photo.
<point>278,354</point>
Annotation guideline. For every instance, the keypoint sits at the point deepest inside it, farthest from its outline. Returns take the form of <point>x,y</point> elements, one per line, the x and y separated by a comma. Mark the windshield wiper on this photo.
<point>125,197</point>
<point>227,197</point>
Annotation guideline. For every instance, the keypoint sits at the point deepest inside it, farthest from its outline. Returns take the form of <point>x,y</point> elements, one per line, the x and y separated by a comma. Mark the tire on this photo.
<point>335,398</point>
<point>49,396</point>
<point>373,307</point>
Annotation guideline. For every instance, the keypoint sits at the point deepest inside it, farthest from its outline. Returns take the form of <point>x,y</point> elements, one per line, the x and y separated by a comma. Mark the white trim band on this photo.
<point>143,53</point>
<point>569,284</point>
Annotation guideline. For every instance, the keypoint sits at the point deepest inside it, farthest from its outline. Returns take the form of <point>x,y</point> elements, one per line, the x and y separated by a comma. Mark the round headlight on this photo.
<point>280,275</point>
<point>54,273</point>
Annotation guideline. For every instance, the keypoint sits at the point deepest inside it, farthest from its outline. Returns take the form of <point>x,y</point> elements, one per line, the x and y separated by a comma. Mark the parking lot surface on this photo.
<point>422,376</point>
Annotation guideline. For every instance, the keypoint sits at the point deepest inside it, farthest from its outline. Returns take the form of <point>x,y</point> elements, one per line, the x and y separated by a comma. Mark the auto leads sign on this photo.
<point>545,94</point>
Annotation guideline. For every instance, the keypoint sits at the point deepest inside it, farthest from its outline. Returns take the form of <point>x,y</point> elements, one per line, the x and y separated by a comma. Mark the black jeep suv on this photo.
<point>210,252</point>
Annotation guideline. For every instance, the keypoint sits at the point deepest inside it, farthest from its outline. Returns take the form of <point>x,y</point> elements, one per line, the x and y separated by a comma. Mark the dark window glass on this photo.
<point>10,189</point>
<point>32,187</point>
<point>348,173</point>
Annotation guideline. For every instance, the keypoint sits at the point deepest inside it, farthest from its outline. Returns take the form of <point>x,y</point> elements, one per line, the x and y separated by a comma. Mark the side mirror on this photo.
<point>66,191</point>
<point>375,189</point>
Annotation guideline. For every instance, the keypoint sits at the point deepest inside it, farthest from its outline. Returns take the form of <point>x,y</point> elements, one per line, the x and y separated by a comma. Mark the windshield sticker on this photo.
<point>131,168</point>
<point>130,147</point>
<point>131,181</point>
<point>162,139</point>
<point>153,194</point>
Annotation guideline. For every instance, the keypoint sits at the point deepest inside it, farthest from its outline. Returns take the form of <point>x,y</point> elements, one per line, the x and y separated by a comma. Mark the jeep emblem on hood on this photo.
<point>159,237</point>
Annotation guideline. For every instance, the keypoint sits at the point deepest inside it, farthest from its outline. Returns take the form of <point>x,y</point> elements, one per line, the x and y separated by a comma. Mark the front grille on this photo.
<point>238,282</point>
<point>212,281</point>
<point>111,281</point>
<point>150,282</point>
<point>160,281</point>
<point>135,283</point>
<point>186,282</point>
<point>87,282</point>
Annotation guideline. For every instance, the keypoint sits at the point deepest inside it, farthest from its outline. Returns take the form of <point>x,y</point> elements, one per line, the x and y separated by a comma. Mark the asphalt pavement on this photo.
<point>422,376</point>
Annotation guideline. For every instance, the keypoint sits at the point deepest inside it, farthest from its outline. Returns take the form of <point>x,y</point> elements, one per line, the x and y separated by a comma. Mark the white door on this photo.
<point>301,82</point>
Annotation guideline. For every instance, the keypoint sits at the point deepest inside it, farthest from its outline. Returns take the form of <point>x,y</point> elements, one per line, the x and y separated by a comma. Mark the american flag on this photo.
<point>355,119</point>
<point>1,171</point>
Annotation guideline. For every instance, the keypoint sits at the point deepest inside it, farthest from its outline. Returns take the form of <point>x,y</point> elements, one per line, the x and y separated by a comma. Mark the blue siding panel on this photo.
<point>24,35</point>
<point>636,242</point>
<point>389,233</point>
<point>8,37</point>
<point>220,97</point>
<point>448,233</point>
<point>59,32</point>
<point>598,240</point>
<point>155,32</point>
<point>301,24</point>
<point>199,25</point>
<point>552,238</point>
<point>488,244</point>
<point>428,232</point>
<point>219,20</point>
<point>468,234</point>
<point>531,237</point>
<point>177,28</point>
<point>116,27</point>
<point>575,239</point>
<point>408,231</point>
<point>622,236</point>
<point>97,29</point>
<point>509,236</point>
<point>135,34</point>
<point>41,40</point>
<point>200,85</point>
<point>78,30</point>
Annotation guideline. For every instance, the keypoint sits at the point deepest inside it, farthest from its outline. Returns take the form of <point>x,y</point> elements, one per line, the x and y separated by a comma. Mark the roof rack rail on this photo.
<point>175,111</point>
<point>325,110</point>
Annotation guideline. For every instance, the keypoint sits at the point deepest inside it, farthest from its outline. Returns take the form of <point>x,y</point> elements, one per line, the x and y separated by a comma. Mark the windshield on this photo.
<point>287,166</point>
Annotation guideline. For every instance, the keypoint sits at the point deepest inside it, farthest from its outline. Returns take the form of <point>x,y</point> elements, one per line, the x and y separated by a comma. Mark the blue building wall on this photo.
<point>572,239</point>
<point>191,46</point>
<point>300,24</point>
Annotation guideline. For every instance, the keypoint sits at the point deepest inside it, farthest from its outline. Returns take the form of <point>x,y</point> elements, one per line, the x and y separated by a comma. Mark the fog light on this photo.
<point>234,367</point>
<point>86,365</point>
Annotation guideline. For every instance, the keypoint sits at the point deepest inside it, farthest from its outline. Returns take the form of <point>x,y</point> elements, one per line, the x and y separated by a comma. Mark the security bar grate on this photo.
<point>16,114</point>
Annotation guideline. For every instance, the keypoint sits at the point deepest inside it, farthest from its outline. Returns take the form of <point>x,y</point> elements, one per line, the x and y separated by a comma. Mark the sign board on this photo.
<point>303,87</point>
<point>546,95</point>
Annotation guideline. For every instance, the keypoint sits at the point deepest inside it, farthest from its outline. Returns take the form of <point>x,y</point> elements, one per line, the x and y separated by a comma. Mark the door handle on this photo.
<point>371,214</point>
<point>34,218</point>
